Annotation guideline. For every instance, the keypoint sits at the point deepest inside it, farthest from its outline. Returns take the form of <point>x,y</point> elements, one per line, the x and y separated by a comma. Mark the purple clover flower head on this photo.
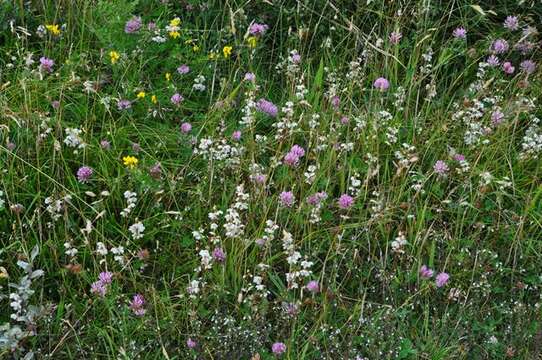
<point>425,272</point>
<point>459,157</point>
<point>345,120</point>
<point>335,102</point>
<point>291,159</point>
<point>313,286</point>
<point>257,29</point>
<point>106,145</point>
<point>511,23</point>
<point>295,57</point>
<point>105,277</point>
<point>287,198</point>
<point>183,69</point>
<point>298,150</point>
<point>176,99</point>
<point>440,167</point>
<point>267,107</point>
<point>316,198</point>
<point>137,305</point>
<point>156,171</point>
<point>124,104</point>
<point>442,279</point>
<point>186,127</point>
<point>381,84</point>
<point>219,255</point>
<point>83,174</point>
<point>151,26</point>
<point>493,61</point>
<point>395,37</point>
<point>259,179</point>
<point>499,46</point>
<point>46,64</point>
<point>11,146</point>
<point>98,288</point>
<point>278,348</point>
<point>497,118</point>
<point>528,66</point>
<point>191,344</point>
<point>345,201</point>
<point>133,25</point>
<point>508,68</point>
<point>236,136</point>
<point>250,77</point>
<point>460,33</point>
<point>55,104</point>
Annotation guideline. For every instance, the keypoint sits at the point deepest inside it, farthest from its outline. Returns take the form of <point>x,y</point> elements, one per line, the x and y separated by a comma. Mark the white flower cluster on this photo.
<point>137,230</point>
<point>298,269</point>
<point>55,206</point>
<point>131,199</point>
<point>73,138</point>
<point>233,226</point>
<point>531,143</point>
<point>199,83</point>
<point>269,233</point>
<point>220,150</point>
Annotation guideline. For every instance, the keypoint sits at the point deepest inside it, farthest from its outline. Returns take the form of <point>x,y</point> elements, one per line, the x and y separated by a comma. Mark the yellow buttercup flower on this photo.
<point>252,41</point>
<point>154,99</point>
<point>130,161</point>
<point>141,94</point>
<point>175,22</point>
<point>168,76</point>
<point>195,48</point>
<point>174,34</point>
<point>227,51</point>
<point>53,29</point>
<point>115,56</point>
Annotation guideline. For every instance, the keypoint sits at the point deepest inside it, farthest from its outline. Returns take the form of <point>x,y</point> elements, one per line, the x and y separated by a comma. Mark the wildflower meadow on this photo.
<point>270,179</point>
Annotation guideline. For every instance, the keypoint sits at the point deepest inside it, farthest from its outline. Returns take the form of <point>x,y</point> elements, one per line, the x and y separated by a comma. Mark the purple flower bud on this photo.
<point>313,286</point>
<point>278,348</point>
<point>381,84</point>
<point>84,173</point>
<point>442,279</point>
<point>186,127</point>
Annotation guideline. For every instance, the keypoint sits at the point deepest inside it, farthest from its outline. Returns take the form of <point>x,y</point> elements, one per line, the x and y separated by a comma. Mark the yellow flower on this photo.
<point>141,94</point>
<point>154,99</point>
<point>195,48</point>
<point>175,22</point>
<point>213,55</point>
<point>227,51</point>
<point>53,29</point>
<point>252,41</point>
<point>174,34</point>
<point>115,56</point>
<point>168,76</point>
<point>130,161</point>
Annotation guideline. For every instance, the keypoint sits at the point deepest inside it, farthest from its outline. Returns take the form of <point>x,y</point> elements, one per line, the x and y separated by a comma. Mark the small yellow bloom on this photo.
<point>53,29</point>
<point>141,94</point>
<point>130,161</point>
<point>115,56</point>
<point>168,76</point>
<point>175,22</point>
<point>227,51</point>
<point>174,34</point>
<point>213,55</point>
<point>252,41</point>
<point>195,48</point>
<point>154,99</point>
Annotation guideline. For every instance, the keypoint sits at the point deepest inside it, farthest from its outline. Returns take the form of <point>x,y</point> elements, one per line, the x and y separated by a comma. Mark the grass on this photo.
<point>201,192</point>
